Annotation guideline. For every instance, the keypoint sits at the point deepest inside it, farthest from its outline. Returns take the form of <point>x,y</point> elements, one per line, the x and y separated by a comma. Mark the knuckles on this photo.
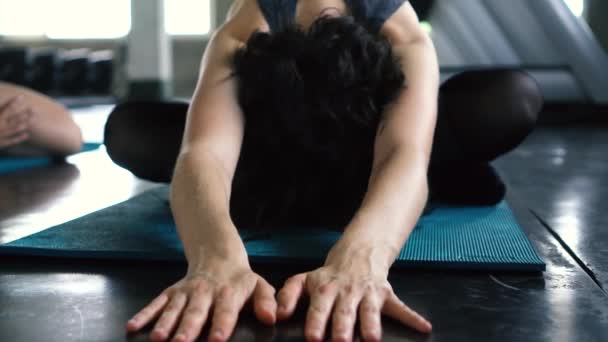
<point>369,309</point>
<point>225,292</point>
<point>317,309</point>
<point>323,284</point>
<point>194,311</point>
<point>346,311</point>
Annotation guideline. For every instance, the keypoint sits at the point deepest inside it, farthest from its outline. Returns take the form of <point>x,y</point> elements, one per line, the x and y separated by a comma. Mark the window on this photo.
<point>66,19</point>
<point>21,18</point>
<point>187,17</point>
<point>89,18</point>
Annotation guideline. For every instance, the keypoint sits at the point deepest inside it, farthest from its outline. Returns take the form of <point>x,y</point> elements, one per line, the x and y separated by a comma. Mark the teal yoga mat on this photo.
<point>482,238</point>
<point>12,164</point>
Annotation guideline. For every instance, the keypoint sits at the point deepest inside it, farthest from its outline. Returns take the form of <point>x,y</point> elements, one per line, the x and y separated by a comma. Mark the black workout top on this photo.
<point>372,12</point>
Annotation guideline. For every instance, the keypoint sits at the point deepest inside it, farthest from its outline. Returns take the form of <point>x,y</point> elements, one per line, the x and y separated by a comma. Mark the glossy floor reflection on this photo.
<point>562,175</point>
<point>556,173</point>
<point>39,198</point>
<point>42,197</point>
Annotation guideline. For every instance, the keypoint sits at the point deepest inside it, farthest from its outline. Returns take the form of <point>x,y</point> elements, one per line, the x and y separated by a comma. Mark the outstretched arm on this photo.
<point>42,126</point>
<point>219,279</point>
<point>398,189</point>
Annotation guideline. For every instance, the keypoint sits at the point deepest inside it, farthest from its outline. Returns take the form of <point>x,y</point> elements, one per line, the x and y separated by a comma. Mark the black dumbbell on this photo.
<point>101,72</point>
<point>14,64</point>
<point>44,70</point>
<point>74,72</point>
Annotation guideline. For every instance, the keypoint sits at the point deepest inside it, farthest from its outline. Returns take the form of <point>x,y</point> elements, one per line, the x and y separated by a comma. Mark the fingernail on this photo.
<point>218,333</point>
<point>180,337</point>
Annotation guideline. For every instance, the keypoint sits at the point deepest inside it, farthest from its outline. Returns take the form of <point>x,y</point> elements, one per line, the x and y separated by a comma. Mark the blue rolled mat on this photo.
<point>12,164</point>
<point>480,238</point>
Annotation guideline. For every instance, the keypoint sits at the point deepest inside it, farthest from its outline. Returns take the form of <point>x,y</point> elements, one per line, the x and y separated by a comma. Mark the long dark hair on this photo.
<point>312,101</point>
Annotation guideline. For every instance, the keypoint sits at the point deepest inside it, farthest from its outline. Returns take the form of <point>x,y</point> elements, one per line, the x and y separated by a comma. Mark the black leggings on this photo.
<point>482,115</point>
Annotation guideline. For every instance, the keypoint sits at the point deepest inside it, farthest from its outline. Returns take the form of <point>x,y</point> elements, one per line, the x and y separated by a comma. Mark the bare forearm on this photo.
<point>56,136</point>
<point>398,190</point>
<point>200,204</point>
<point>396,196</point>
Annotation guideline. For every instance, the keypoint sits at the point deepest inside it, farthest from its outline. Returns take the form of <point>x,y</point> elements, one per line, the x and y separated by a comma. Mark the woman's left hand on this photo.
<point>345,290</point>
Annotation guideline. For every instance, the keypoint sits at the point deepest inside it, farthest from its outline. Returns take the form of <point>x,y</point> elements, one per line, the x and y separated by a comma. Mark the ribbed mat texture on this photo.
<point>480,238</point>
<point>12,164</point>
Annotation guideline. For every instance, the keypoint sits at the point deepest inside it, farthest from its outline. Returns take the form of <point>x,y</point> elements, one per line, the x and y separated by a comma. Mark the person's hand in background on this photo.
<point>15,116</point>
<point>33,124</point>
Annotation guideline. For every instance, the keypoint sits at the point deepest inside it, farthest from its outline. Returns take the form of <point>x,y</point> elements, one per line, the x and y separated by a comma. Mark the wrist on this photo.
<point>216,247</point>
<point>377,258</point>
<point>217,259</point>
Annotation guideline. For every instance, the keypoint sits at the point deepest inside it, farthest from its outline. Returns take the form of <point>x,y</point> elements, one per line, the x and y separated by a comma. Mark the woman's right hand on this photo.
<point>14,121</point>
<point>186,305</point>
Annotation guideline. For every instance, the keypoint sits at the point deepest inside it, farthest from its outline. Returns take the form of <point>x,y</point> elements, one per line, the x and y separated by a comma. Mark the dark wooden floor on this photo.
<point>562,172</point>
<point>558,187</point>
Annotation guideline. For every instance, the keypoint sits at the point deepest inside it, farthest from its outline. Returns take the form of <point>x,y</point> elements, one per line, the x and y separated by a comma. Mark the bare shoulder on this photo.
<point>403,26</point>
<point>244,18</point>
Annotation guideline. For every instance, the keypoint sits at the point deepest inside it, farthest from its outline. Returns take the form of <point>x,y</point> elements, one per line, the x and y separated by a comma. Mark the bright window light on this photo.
<point>576,6</point>
<point>66,19</point>
<point>187,17</point>
<point>79,19</point>
<point>22,18</point>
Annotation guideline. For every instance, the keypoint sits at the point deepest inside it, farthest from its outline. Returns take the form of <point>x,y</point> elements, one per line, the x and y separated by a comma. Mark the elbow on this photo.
<point>193,160</point>
<point>194,163</point>
<point>74,140</point>
<point>409,151</point>
<point>58,131</point>
<point>74,143</point>
<point>192,157</point>
<point>67,140</point>
<point>71,140</point>
<point>414,160</point>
